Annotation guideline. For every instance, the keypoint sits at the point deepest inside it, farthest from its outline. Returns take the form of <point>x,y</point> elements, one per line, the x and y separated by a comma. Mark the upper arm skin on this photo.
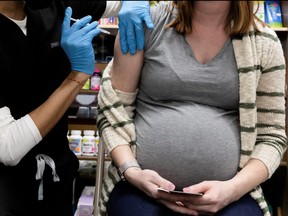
<point>126,69</point>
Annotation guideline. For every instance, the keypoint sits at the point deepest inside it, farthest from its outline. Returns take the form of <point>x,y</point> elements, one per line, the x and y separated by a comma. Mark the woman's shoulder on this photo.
<point>161,14</point>
<point>265,29</point>
<point>163,10</point>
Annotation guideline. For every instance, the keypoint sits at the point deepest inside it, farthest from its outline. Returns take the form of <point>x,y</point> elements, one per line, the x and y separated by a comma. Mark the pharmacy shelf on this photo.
<point>86,91</point>
<point>91,158</point>
<point>81,121</point>
<point>283,29</point>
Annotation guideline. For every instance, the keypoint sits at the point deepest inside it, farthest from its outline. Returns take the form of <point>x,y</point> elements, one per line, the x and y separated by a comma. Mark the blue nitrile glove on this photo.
<point>76,41</point>
<point>131,17</point>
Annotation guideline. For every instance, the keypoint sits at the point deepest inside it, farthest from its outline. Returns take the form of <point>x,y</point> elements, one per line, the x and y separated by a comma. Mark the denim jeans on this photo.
<point>126,200</point>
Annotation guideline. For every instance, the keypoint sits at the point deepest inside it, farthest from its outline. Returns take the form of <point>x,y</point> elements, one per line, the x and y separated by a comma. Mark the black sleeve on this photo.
<point>2,104</point>
<point>83,8</point>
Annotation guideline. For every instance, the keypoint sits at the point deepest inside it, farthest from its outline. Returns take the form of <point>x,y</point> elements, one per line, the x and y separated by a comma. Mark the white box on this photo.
<point>85,205</point>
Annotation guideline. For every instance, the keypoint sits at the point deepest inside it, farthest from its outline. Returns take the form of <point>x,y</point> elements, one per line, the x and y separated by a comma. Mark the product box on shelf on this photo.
<point>108,21</point>
<point>273,15</point>
<point>86,200</point>
<point>259,5</point>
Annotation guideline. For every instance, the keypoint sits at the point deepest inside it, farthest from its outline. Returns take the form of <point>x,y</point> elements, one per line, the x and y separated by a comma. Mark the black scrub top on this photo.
<point>31,68</point>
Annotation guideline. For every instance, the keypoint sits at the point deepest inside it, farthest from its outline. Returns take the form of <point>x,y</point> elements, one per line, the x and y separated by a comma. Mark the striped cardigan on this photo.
<point>261,68</point>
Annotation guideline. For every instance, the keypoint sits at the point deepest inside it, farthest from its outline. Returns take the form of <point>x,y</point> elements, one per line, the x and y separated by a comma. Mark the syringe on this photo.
<point>102,30</point>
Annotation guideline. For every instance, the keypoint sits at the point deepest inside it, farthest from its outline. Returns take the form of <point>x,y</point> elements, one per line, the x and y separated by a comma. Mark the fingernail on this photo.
<point>187,189</point>
<point>170,186</point>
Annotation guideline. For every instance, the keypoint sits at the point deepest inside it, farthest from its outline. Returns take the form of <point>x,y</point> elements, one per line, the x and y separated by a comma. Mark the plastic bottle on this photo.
<point>88,143</point>
<point>95,80</point>
<point>75,141</point>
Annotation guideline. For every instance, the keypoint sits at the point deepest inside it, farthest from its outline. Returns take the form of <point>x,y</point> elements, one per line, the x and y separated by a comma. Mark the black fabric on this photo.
<point>2,104</point>
<point>87,7</point>
<point>31,68</point>
<point>19,190</point>
<point>39,4</point>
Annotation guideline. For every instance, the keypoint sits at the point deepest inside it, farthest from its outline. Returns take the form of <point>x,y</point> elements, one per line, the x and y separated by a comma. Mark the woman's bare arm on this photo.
<point>126,69</point>
<point>125,74</point>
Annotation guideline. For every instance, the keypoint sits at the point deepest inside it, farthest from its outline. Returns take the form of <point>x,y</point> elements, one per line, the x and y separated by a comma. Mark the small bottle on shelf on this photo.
<point>75,141</point>
<point>88,143</point>
<point>95,80</point>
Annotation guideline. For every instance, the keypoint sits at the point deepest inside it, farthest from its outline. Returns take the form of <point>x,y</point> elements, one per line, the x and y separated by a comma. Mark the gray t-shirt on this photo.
<point>187,120</point>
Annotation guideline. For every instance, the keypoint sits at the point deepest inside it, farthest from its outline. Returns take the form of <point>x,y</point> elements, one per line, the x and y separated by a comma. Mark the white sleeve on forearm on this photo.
<point>17,137</point>
<point>112,9</point>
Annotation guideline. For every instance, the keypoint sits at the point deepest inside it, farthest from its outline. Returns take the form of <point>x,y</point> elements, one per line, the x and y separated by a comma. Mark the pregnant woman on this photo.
<point>208,90</point>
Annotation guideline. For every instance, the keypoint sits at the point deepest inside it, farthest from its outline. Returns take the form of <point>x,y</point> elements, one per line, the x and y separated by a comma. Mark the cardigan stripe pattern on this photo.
<point>261,67</point>
<point>115,125</point>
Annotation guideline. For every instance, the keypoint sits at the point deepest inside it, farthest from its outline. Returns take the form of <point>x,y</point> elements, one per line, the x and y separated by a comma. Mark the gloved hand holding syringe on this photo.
<point>76,41</point>
<point>102,30</point>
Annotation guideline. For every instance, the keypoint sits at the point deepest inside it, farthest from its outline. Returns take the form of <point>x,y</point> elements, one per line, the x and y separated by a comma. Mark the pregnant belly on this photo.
<point>188,144</point>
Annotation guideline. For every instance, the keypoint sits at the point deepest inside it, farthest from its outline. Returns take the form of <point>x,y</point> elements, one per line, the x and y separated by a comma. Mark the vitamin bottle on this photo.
<point>95,80</point>
<point>75,141</point>
<point>88,143</point>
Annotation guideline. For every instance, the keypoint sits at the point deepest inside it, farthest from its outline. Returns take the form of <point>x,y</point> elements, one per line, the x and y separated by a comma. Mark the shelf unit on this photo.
<point>86,123</point>
<point>84,91</point>
<point>92,158</point>
<point>283,35</point>
<point>279,181</point>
